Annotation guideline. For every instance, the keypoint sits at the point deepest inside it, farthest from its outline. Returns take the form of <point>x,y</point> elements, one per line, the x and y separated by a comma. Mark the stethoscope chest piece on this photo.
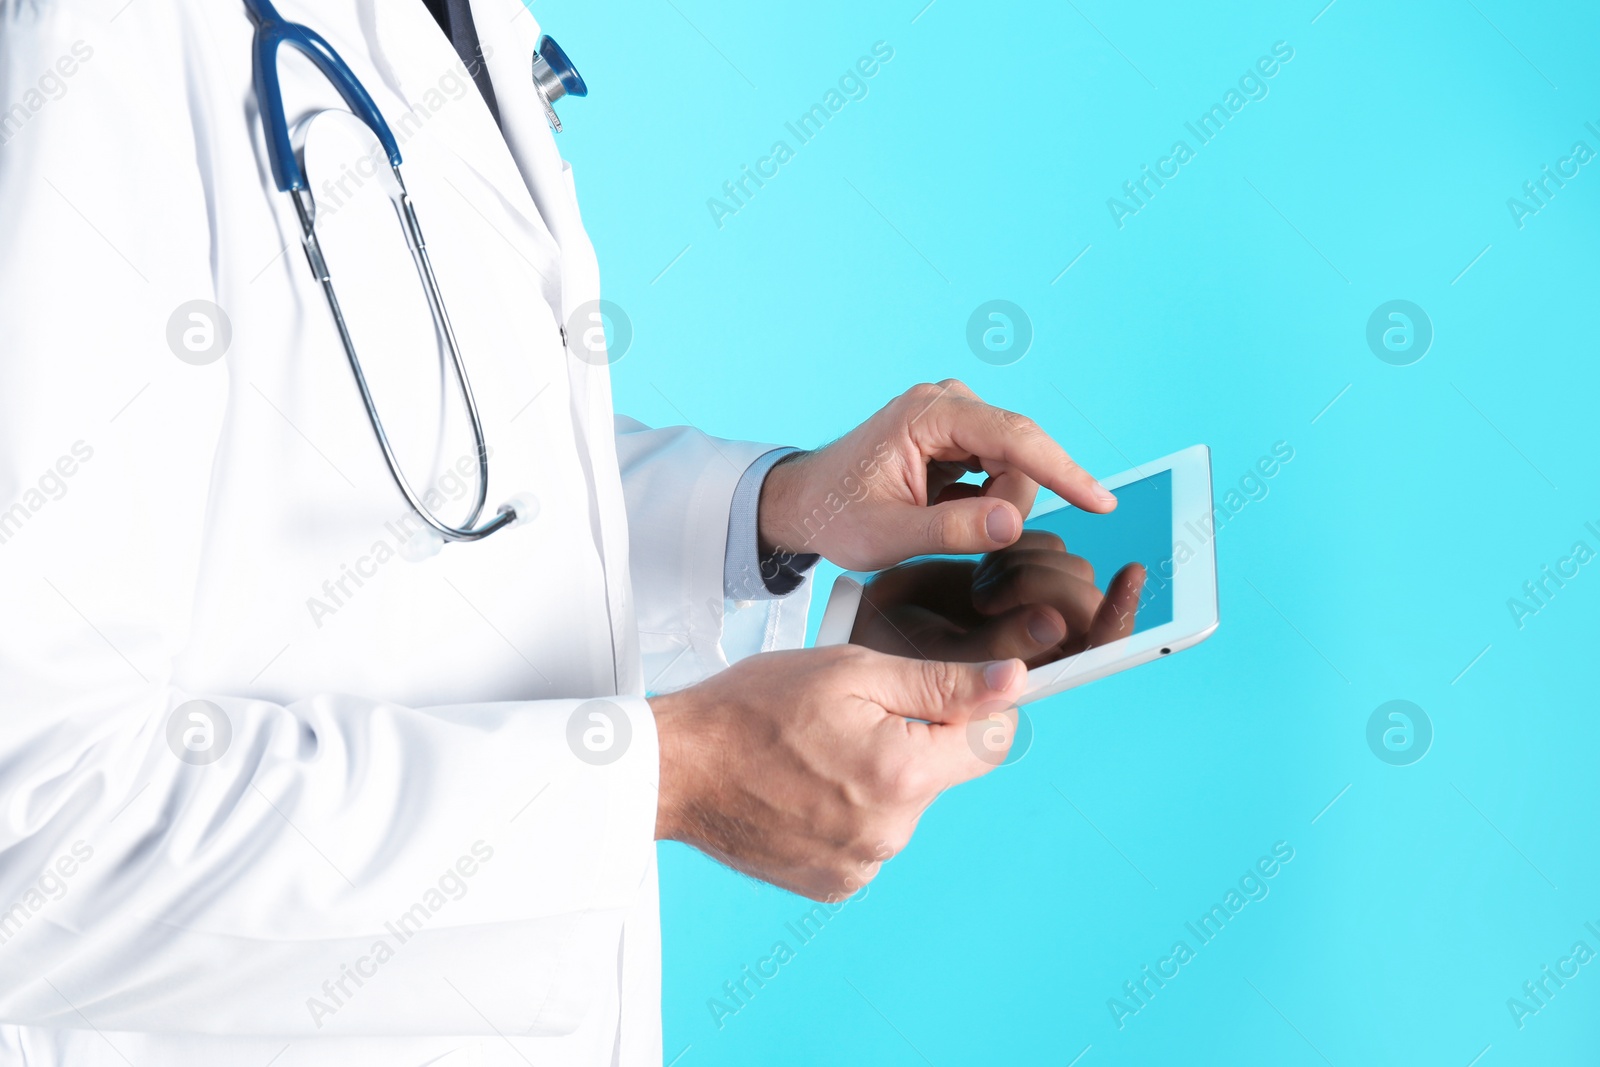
<point>555,77</point>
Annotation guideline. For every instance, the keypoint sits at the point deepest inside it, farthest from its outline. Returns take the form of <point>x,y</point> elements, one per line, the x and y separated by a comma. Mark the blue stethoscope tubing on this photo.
<point>271,31</point>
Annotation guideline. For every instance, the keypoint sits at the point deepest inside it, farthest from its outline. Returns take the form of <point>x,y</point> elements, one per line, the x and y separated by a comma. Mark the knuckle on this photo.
<point>944,526</point>
<point>884,773</point>
<point>869,849</point>
<point>848,654</point>
<point>849,877</point>
<point>879,844</point>
<point>864,877</point>
<point>911,785</point>
<point>896,783</point>
<point>846,658</point>
<point>860,832</point>
<point>1013,423</point>
<point>825,888</point>
<point>944,680</point>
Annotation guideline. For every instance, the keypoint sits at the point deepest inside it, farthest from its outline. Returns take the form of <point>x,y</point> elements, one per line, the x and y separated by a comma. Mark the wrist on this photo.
<point>777,532</point>
<point>680,772</point>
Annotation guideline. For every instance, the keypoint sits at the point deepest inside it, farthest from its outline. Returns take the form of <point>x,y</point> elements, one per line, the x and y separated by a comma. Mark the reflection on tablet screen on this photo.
<point>1102,577</point>
<point>1139,531</point>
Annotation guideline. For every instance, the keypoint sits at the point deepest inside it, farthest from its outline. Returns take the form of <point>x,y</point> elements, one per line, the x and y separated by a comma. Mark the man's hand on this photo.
<point>808,769</point>
<point>890,488</point>
<point>1034,601</point>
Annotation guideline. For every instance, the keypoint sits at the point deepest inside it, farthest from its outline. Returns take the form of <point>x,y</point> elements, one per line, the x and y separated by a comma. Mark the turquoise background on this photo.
<point>1231,310</point>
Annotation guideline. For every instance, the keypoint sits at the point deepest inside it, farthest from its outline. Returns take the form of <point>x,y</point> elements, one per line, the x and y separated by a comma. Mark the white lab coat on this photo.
<point>399,771</point>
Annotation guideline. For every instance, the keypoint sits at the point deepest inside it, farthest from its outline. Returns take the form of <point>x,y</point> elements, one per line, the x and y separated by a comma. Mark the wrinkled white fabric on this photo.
<point>399,856</point>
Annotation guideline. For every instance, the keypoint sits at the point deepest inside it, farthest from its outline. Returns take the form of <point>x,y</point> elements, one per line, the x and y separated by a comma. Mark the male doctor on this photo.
<point>271,791</point>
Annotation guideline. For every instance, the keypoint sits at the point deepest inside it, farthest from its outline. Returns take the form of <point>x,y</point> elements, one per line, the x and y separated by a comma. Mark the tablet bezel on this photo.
<point>1194,594</point>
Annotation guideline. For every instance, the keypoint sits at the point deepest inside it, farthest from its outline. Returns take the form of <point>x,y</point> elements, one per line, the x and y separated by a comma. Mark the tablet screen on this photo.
<point>980,607</point>
<point>1138,531</point>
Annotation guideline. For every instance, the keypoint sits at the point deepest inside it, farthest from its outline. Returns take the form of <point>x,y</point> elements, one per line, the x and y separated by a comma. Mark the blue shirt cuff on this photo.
<point>745,575</point>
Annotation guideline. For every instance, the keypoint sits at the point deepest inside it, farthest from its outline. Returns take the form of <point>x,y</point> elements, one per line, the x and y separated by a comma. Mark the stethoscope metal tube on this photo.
<point>554,77</point>
<point>508,514</point>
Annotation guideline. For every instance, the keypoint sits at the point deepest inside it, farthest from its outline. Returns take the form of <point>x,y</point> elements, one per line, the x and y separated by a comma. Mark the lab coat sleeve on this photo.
<point>346,867</point>
<point>343,865</point>
<point>679,485</point>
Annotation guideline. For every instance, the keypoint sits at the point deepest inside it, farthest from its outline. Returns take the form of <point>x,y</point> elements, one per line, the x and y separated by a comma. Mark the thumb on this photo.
<point>971,524</point>
<point>946,693</point>
<point>970,710</point>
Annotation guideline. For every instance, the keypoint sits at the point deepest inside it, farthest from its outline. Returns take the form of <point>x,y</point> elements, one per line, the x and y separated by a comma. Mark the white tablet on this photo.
<point>1163,520</point>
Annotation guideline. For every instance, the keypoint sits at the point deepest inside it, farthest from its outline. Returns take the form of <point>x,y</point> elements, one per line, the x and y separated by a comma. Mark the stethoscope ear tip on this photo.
<point>525,506</point>
<point>427,542</point>
<point>424,544</point>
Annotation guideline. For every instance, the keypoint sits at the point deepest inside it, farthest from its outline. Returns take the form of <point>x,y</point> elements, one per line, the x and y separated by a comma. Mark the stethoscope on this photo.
<point>554,77</point>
